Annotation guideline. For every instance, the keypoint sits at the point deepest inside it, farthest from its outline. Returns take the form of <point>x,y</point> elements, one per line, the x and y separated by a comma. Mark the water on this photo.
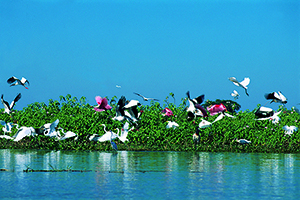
<point>149,175</point>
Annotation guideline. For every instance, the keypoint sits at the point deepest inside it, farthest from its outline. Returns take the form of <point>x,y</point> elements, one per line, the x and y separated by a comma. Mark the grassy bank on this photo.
<point>150,133</point>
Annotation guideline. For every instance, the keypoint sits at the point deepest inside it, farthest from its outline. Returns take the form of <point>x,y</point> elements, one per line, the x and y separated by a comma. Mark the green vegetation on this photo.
<point>150,133</point>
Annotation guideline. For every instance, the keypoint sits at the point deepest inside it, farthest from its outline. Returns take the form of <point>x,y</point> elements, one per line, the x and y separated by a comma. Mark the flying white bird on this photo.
<point>243,141</point>
<point>15,81</point>
<point>276,97</point>
<point>49,129</point>
<point>8,107</point>
<point>118,86</point>
<point>68,134</point>
<point>235,94</point>
<point>242,84</point>
<point>173,125</point>
<point>289,130</point>
<point>145,98</point>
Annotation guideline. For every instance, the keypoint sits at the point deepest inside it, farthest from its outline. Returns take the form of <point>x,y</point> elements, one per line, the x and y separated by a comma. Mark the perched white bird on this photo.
<point>289,130</point>
<point>243,141</point>
<point>68,134</point>
<point>276,97</point>
<point>235,94</point>
<point>173,125</point>
<point>15,81</point>
<point>7,126</point>
<point>204,124</point>
<point>8,107</point>
<point>242,84</point>
<point>109,135</point>
<point>145,98</point>
<point>23,132</point>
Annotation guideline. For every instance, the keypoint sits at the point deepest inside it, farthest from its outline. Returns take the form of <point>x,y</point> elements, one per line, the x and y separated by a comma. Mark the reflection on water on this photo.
<point>144,175</point>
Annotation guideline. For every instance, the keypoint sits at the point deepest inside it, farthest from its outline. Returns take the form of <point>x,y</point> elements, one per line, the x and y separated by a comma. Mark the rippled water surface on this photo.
<point>148,175</point>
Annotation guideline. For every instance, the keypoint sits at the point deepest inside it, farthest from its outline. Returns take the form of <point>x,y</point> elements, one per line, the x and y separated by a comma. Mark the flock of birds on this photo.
<point>128,111</point>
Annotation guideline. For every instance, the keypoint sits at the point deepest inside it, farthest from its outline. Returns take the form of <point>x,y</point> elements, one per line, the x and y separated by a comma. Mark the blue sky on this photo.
<point>86,48</point>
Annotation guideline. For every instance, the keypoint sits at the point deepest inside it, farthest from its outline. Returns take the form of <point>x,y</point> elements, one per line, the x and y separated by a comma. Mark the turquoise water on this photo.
<point>149,175</point>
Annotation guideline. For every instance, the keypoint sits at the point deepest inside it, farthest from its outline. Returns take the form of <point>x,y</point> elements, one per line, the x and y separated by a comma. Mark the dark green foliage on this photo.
<point>150,133</point>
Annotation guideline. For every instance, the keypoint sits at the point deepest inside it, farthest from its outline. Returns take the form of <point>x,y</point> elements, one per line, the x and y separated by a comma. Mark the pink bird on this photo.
<point>167,112</point>
<point>215,109</point>
<point>102,104</point>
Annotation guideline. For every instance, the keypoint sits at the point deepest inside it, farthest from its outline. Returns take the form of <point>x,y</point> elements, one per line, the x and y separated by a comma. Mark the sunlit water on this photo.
<point>149,175</point>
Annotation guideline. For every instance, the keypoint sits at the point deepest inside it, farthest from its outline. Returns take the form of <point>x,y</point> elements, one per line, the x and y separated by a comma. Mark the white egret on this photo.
<point>235,94</point>
<point>242,84</point>
<point>173,125</point>
<point>7,127</point>
<point>289,130</point>
<point>242,141</point>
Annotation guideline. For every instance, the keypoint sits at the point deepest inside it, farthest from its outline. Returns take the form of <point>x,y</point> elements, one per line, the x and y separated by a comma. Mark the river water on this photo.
<point>148,175</point>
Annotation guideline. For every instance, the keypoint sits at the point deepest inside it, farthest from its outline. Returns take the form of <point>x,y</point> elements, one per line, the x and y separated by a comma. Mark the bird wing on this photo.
<point>17,98</point>
<point>12,79</point>
<point>199,99</point>
<point>132,103</point>
<point>228,115</point>
<point>139,95</point>
<point>221,116</point>
<point>281,97</point>
<point>5,104</point>
<point>98,100</point>
<point>270,95</point>
<point>245,82</point>
<point>235,82</point>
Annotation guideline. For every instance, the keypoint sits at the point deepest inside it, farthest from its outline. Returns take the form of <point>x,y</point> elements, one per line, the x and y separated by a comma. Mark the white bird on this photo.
<point>109,135</point>
<point>204,124</point>
<point>23,132</point>
<point>15,81</point>
<point>118,86</point>
<point>68,134</point>
<point>242,84</point>
<point>7,126</point>
<point>276,97</point>
<point>145,98</point>
<point>8,107</point>
<point>124,132</point>
<point>235,94</point>
<point>49,129</point>
<point>173,125</point>
<point>289,130</point>
<point>243,141</point>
